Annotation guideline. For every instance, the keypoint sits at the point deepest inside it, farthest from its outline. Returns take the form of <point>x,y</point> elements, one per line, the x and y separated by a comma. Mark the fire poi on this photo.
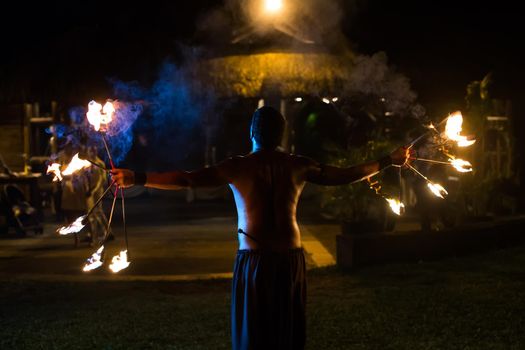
<point>99,117</point>
<point>451,134</point>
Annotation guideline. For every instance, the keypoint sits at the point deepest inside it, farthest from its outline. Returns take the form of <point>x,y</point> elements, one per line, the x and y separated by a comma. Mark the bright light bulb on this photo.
<point>273,5</point>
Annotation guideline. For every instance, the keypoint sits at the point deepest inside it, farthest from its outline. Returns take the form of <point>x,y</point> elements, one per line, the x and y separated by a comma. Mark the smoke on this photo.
<point>120,131</point>
<point>373,76</point>
<point>155,128</point>
<point>172,111</point>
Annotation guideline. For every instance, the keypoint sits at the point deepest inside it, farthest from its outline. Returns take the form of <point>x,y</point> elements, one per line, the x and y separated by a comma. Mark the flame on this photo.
<point>437,189</point>
<point>74,227</point>
<point>395,205</point>
<point>98,115</point>
<point>465,142</point>
<point>75,165</point>
<point>55,169</point>
<point>461,165</point>
<point>119,262</point>
<point>95,261</point>
<point>453,130</point>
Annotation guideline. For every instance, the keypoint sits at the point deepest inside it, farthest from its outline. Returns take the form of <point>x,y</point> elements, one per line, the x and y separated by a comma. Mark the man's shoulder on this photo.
<point>285,156</point>
<point>303,160</point>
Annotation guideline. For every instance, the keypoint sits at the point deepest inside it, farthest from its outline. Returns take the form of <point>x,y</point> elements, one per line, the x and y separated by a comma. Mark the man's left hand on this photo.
<point>401,156</point>
<point>123,177</point>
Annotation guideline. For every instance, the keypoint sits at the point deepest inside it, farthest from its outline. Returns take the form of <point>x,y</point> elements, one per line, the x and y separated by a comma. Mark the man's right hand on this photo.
<point>123,177</point>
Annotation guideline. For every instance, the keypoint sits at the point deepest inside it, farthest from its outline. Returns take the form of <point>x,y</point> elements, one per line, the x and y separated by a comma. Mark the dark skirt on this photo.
<point>269,300</point>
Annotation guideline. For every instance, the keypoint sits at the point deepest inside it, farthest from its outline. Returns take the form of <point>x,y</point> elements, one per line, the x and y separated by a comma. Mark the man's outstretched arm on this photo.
<point>173,180</point>
<point>333,176</point>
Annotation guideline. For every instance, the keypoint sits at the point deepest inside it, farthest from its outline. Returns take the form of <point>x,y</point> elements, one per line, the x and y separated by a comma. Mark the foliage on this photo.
<point>356,201</point>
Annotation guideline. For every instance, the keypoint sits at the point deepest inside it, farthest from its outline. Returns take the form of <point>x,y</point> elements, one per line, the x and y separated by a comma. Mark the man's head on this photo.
<point>267,128</point>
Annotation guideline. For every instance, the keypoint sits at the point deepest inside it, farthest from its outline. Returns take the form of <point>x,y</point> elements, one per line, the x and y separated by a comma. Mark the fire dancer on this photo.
<point>269,284</point>
<point>96,179</point>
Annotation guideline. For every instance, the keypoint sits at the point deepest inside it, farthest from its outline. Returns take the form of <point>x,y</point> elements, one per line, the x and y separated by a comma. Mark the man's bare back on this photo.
<point>266,186</point>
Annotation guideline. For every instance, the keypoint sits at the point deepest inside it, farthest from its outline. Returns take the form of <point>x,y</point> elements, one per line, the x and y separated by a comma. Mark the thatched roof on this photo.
<point>287,74</point>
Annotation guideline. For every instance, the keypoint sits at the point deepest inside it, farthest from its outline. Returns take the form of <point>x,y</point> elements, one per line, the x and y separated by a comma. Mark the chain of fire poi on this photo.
<point>443,140</point>
<point>99,117</point>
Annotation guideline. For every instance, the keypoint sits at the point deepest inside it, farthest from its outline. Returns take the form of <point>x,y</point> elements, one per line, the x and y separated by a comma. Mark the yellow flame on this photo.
<point>395,205</point>
<point>465,142</point>
<point>461,165</point>
<point>98,115</point>
<point>437,189</point>
<point>453,130</point>
<point>95,261</point>
<point>119,262</point>
<point>55,169</point>
<point>74,227</point>
<point>75,165</point>
<point>273,5</point>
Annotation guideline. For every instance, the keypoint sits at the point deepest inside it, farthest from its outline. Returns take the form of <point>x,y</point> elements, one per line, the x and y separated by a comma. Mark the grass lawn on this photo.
<point>475,302</point>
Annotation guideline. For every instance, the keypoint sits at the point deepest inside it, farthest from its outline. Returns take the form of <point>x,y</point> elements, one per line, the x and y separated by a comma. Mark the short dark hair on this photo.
<point>268,127</point>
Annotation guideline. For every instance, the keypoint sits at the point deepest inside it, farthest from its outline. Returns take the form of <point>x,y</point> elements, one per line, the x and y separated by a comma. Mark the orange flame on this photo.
<point>396,205</point>
<point>55,169</point>
<point>437,190</point>
<point>95,261</point>
<point>75,165</point>
<point>461,165</point>
<point>453,130</point>
<point>74,227</point>
<point>98,115</point>
<point>119,262</point>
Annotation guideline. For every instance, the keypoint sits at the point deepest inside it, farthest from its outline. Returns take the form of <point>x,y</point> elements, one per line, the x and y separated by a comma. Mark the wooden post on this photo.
<point>26,130</point>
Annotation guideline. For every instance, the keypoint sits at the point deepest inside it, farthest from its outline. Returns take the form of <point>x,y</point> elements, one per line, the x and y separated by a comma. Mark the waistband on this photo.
<point>262,251</point>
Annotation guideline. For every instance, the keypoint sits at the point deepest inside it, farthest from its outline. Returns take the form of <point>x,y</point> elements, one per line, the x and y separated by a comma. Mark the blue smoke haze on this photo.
<point>156,128</point>
<point>170,125</point>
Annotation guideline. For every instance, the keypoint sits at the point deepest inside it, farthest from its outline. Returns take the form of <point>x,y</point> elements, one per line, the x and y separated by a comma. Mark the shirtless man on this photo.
<point>269,284</point>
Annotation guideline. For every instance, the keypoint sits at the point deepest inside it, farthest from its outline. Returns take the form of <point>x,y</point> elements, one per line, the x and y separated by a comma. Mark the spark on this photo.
<point>95,261</point>
<point>55,169</point>
<point>119,262</point>
<point>98,115</point>
<point>453,129</point>
<point>461,165</point>
<point>396,205</point>
<point>74,227</point>
<point>437,189</point>
<point>76,164</point>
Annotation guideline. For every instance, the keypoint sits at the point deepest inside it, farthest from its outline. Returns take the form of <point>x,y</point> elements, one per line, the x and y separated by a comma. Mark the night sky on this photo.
<point>439,45</point>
